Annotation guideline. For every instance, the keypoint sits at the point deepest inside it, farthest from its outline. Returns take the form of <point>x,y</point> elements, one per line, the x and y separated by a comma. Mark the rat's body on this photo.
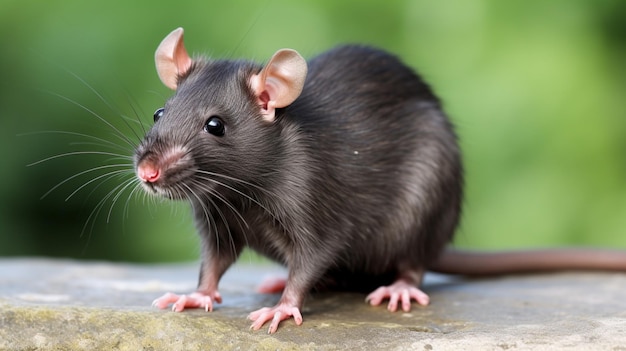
<point>364,176</point>
<point>352,177</point>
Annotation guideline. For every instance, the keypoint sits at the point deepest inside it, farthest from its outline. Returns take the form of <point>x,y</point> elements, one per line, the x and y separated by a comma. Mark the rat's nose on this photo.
<point>148,172</point>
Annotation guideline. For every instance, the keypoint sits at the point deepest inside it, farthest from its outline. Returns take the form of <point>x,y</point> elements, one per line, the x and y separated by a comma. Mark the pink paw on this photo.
<point>276,314</point>
<point>193,300</point>
<point>399,291</point>
<point>272,285</point>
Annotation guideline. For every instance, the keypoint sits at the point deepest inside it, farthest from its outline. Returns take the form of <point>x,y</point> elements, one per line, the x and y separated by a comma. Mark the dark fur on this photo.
<point>358,181</point>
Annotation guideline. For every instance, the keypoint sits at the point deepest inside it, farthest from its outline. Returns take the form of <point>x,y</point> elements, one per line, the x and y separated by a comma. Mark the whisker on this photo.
<point>93,113</point>
<point>109,105</point>
<point>251,26</point>
<point>231,188</point>
<point>96,211</point>
<point>127,121</point>
<point>126,210</point>
<point>132,102</point>
<point>224,222</point>
<point>242,194</point>
<point>112,176</point>
<point>234,179</point>
<point>78,175</point>
<point>240,219</point>
<point>158,93</point>
<point>91,144</point>
<point>206,211</point>
<point>105,143</point>
<point>108,175</point>
<point>115,176</point>
<point>74,153</point>
<point>122,139</point>
<point>117,196</point>
<point>93,90</point>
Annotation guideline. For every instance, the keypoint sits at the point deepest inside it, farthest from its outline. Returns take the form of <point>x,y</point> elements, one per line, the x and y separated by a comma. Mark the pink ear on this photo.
<point>172,59</point>
<point>280,82</point>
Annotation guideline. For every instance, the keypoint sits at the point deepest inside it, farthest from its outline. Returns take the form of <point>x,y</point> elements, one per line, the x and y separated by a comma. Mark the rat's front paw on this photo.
<point>276,314</point>
<point>193,300</point>
<point>400,291</point>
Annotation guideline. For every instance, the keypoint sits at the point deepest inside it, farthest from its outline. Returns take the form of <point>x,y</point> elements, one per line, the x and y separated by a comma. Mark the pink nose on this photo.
<point>148,172</point>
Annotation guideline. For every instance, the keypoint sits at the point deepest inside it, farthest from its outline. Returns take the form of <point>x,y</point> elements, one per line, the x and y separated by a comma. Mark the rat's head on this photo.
<point>219,128</point>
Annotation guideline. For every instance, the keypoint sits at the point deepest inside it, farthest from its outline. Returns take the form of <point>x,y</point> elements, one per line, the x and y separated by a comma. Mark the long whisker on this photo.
<point>122,171</point>
<point>233,189</point>
<point>122,138</point>
<point>73,153</point>
<point>107,175</point>
<point>240,219</point>
<point>116,167</point>
<point>259,15</point>
<point>234,179</point>
<point>105,143</point>
<point>224,222</point>
<point>127,121</point>
<point>242,194</point>
<point>126,210</point>
<point>132,102</point>
<point>103,120</point>
<point>78,175</point>
<point>93,90</point>
<point>243,224</point>
<point>129,182</point>
<point>91,143</point>
<point>205,210</point>
<point>94,213</point>
<point>106,102</point>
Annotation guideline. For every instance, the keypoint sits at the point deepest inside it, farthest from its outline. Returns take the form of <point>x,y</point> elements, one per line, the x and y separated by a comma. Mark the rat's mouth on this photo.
<point>165,192</point>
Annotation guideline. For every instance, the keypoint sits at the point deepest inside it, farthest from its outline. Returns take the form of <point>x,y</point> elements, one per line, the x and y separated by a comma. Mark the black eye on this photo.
<point>215,126</point>
<point>158,114</point>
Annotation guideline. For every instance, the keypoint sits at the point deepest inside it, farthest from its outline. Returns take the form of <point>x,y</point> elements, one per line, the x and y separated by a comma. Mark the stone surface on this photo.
<point>67,305</point>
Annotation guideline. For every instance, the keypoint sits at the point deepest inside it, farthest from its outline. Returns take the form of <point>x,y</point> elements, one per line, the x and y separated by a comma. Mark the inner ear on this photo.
<point>280,82</point>
<point>264,99</point>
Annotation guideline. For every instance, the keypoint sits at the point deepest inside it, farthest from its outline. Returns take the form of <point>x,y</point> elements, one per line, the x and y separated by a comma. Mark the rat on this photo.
<point>345,169</point>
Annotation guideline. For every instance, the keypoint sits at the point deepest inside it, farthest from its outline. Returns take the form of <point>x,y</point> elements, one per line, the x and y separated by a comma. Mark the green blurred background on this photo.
<point>536,89</point>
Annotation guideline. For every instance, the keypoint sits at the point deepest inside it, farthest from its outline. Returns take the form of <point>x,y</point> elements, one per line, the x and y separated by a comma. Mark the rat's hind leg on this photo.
<point>404,290</point>
<point>272,285</point>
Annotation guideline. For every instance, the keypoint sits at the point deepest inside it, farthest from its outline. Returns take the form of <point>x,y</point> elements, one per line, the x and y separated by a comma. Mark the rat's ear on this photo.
<point>172,59</point>
<point>280,82</point>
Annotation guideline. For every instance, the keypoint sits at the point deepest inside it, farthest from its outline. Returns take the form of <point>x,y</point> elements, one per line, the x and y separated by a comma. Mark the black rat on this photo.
<point>345,169</point>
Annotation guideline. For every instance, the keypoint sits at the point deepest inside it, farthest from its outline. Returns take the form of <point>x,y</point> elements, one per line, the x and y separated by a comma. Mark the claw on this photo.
<point>400,291</point>
<point>276,314</point>
<point>193,300</point>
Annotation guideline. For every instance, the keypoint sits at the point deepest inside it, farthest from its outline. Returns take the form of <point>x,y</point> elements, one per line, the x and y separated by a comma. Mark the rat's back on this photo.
<point>389,164</point>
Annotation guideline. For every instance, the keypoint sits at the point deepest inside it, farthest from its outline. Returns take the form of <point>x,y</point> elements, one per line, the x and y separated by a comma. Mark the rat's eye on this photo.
<point>215,126</point>
<point>158,114</point>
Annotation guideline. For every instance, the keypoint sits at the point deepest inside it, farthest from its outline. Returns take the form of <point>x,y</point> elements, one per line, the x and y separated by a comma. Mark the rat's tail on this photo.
<point>474,263</point>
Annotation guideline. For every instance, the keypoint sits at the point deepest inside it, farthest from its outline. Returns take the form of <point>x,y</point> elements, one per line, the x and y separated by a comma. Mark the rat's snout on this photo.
<point>162,167</point>
<point>148,172</point>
